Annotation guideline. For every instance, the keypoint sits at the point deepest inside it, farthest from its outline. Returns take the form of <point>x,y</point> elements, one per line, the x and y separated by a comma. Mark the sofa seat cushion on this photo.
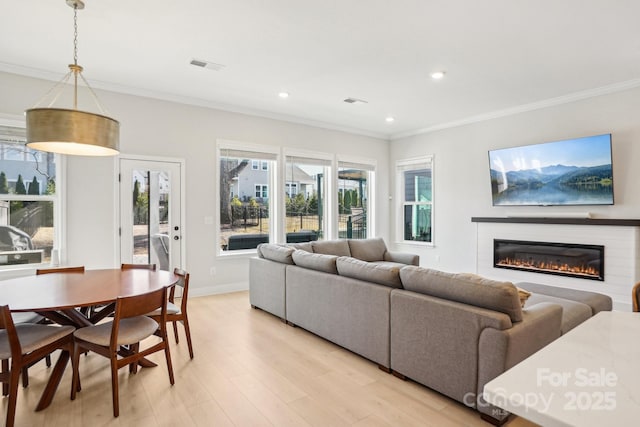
<point>319,262</point>
<point>331,247</point>
<point>480,292</point>
<point>278,253</point>
<point>573,313</point>
<point>387,274</point>
<point>368,249</point>
<point>597,302</point>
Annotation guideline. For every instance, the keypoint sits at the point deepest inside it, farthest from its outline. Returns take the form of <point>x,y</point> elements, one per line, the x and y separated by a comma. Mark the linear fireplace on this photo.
<point>565,259</point>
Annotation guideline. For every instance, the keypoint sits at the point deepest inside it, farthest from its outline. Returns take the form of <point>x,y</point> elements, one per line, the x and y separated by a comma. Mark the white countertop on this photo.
<point>588,377</point>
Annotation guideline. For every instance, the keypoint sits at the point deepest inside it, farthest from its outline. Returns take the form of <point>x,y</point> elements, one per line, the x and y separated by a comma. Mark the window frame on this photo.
<point>402,166</point>
<point>273,196</point>
<point>362,163</point>
<point>326,160</point>
<point>58,200</point>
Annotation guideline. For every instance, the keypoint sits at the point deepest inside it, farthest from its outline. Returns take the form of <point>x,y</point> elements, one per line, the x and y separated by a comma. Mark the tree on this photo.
<point>313,203</point>
<point>299,203</point>
<point>229,169</point>
<point>136,192</point>
<point>347,201</point>
<point>51,187</point>
<point>34,187</point>
<point>4,185</point>
<point>20,188</point>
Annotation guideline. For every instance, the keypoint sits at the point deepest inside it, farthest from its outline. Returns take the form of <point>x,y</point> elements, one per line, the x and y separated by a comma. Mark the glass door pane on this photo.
<point>151,232</point>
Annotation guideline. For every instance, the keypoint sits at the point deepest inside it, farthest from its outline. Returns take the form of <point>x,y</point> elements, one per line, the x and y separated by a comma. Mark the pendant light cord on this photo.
<point>76,70</point>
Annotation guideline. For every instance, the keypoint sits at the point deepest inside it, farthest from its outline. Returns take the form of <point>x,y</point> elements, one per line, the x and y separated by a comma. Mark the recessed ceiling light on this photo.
<point>389,119</point>
<point>206,64</point>
<point>355,101</point>
<point>437,75</point>
<point>283,95</point>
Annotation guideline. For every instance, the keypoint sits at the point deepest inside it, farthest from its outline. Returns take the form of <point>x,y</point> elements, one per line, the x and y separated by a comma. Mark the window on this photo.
<point>259,165</point>
<point>29,203</point>
<point>305,198</point>
<point>354,182</point>
<point>291,189</point>
<point>415,178</point>
<point>262,192</point>
<point>245,218</point>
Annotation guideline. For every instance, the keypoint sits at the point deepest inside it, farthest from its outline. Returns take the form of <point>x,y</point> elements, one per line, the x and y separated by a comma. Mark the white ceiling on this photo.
<point>500,56</point>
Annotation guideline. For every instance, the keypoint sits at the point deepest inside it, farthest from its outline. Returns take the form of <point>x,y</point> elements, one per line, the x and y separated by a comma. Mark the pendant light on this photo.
<point>72,131</point>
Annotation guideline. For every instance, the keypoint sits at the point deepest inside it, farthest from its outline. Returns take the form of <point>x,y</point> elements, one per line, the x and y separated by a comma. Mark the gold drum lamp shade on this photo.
<point>72,131</point>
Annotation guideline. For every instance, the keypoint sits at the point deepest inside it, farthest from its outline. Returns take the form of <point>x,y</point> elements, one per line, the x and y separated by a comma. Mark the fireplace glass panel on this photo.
<point>566,259</point>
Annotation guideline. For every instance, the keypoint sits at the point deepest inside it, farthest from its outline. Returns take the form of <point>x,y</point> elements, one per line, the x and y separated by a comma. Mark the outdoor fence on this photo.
<point>352,226</point>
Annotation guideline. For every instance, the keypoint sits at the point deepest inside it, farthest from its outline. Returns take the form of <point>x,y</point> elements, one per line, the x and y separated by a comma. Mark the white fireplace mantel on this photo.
<point>620,237</point>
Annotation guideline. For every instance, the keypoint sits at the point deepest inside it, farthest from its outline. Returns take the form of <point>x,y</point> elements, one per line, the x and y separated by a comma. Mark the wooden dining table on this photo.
<point>61,297</point>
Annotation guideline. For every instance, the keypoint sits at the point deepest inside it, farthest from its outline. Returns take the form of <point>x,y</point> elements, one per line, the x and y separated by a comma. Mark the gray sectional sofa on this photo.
<point>450,332</point>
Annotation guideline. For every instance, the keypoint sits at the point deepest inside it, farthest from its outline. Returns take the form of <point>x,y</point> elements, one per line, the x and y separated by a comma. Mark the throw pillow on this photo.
<point>523,294</point>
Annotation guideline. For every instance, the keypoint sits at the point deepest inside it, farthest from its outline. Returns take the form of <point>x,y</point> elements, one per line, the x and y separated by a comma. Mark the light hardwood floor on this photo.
<point>249,369</point>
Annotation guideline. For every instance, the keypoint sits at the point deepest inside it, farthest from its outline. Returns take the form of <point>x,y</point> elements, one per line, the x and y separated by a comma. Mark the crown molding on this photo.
<point>560,100</point>
<point>198,102</point>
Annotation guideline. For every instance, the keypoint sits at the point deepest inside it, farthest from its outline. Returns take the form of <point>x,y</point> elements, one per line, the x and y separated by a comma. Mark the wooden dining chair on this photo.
<point>138,267</point>
<point>122,337</point>
<point>635,297</point>
<point>177,314</point>
<point>31,318</point>
<point>25,344</point>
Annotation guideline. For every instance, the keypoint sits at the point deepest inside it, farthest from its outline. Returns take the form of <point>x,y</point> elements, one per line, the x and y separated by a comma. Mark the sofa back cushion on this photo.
<point>319,262</point>
<point>332,247</point>
<point>368,249</point>
<point>477,291</point>
<point>303,246</point>
<point>385,274</point>
<point>276,253</point>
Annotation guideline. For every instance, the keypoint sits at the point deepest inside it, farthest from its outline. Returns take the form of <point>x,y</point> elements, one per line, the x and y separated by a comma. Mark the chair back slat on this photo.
<point>139,305</point>
<point>79,269</point>
<point>184,284</point>
<point>151,267</point>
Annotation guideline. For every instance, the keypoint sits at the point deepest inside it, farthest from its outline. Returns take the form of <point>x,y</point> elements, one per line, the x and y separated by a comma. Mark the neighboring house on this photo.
<point>253,182</point>
<point>143,179</point>
<point>298,181</point>
<point>18,160</point>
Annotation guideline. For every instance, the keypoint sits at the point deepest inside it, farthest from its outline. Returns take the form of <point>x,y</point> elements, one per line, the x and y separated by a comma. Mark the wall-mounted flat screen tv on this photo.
<point>570,172</point>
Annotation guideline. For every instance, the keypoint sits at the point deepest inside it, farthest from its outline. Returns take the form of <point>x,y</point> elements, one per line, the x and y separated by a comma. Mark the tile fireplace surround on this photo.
<point>620,237</point>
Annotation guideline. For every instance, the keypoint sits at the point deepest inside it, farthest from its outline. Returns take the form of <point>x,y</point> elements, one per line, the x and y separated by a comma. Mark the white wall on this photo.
<point>159,128</point>
<point>461,169</point>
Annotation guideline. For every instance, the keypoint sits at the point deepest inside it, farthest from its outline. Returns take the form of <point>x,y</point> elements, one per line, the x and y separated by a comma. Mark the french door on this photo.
<point>150,212</point>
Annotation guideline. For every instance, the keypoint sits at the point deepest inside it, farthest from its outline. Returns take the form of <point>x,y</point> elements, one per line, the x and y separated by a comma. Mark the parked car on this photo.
<point>14,239</point>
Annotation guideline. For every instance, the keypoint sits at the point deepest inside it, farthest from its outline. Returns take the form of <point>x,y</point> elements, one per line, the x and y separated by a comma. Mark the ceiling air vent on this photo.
<point>355,101</point>
<point>206,64</point>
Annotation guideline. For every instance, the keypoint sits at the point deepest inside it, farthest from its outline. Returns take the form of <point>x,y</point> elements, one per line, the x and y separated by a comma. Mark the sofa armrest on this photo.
<point>402,257</point>
<point>500,350</point>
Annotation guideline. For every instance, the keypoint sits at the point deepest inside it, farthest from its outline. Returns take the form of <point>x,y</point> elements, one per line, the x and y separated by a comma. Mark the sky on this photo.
<point>588,151</point>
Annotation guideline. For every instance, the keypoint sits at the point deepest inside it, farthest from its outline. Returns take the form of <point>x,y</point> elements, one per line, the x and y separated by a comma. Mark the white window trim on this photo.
<point>59,210</point>
<point>274,199</point>
<point>330,221</point>
<point>372,166</point>
<point>399,168</point>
